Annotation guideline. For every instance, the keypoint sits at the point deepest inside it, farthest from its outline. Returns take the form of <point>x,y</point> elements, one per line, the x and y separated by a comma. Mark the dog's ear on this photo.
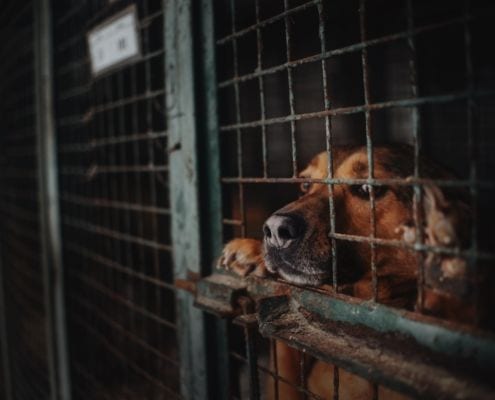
<point>433,199</point>
<point>450,282</point>
<point>440,218</point>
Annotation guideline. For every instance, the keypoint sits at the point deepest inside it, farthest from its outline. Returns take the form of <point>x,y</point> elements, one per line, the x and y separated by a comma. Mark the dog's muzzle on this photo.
<point>283,230</point>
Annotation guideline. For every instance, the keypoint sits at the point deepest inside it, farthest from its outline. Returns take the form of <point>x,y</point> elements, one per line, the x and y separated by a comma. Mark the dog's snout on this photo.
<point>282,230</point>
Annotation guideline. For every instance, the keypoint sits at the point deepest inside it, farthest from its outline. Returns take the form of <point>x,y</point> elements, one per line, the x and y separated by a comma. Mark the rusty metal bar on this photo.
<point>375,182</point>
<point>409,102</point>
<point>261,24</point>
<point>369,145</point>
<point>291,90</point>
<point>354,334</point>
<point>471,145</point>
<point>119,139</point>
<point>351,48</point>
<point>329,144</point>
<point>238,121</point>
<point>109,263</point>
<point>415,115</point>
<point>114,234</point>
<point>105,203</point>
<point>259,48</point>
<point>117,298</point>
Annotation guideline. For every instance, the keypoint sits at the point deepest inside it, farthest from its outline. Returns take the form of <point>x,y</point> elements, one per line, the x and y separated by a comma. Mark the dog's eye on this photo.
<point>363,191</point>
<point>305,186</point>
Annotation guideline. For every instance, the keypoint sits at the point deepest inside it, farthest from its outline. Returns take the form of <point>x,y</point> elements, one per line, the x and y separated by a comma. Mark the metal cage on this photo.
<point>119,189</point>
<point>299,77</point>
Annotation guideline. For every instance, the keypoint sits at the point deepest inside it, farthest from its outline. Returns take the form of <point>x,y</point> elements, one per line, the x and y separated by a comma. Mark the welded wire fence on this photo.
<point>299,77</point>
<point>112,143</point>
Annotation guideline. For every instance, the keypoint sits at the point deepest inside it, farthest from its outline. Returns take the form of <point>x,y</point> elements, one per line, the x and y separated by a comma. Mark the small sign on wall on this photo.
<point>114,42</point>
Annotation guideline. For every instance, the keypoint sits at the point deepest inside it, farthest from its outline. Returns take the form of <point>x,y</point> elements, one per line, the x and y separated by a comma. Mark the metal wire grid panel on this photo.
<point>112,143</point>
<point>298,77</point>
<point>27,371</point>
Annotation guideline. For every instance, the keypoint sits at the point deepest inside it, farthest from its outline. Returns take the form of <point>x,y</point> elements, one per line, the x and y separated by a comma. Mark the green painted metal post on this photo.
<point>181,118</point>
<point>53,280</point>
<point>211,190</point>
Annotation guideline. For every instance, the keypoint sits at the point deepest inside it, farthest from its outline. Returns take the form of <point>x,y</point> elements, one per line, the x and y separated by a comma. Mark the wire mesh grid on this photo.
<point>112,142</point>
<point>20,241</point>
<point>298,77</point>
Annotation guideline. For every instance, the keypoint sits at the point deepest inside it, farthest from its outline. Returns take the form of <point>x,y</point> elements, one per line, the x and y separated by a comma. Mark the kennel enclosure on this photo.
<point>119,189</point>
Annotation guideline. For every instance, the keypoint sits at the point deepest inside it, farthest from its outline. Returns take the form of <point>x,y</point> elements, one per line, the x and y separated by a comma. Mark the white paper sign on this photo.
<point>114,42</point>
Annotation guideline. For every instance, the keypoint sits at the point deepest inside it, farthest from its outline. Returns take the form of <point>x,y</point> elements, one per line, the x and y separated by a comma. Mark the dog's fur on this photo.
<point>302,251</point>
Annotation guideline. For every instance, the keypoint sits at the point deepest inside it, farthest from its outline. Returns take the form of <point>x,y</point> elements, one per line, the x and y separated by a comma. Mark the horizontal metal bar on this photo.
<point>235,222</point>
<point>88,146</point>
<point>103,231</point>
<point>341,51</point>
<point>85,61</point>
<point>108,293</point>
<point>89,114</point>
<point>415,247</point>
<point>112,264</point>
<point>117,205</point>
<point>94,310</point>
<point>410,181</point>
<point>267,21</point>
<point>408,102</point>
<point>388,346</point>
<point>95,169</point>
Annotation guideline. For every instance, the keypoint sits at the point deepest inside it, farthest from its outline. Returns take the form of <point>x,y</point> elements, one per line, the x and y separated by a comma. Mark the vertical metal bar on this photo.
<point>238,121</point>
<point>417,198</point>
<point>369,144</point>
<point>212,191</point>
<point>7,382</point>
<point>291,91</point>
<point>261,87</point>
<point>473,175</point>
<point>180,109</point>
<point>329,144</point>
<point>275,368</point>
<point>152,180</point>
<point>252,359</point>
<point>50,214</point>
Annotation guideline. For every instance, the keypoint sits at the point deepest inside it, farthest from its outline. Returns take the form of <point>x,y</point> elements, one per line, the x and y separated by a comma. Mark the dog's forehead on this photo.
<point>353,163</point>
<point>317,167</point>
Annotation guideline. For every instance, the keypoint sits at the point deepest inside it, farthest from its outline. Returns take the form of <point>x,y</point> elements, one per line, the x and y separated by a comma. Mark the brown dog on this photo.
<point>297,247</point>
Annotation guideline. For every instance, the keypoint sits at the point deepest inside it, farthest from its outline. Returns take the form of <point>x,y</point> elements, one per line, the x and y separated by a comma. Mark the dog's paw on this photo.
<point>243,257</point>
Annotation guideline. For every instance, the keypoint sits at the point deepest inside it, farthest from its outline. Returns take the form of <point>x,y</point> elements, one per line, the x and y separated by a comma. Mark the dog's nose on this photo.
<point>282,230</point>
